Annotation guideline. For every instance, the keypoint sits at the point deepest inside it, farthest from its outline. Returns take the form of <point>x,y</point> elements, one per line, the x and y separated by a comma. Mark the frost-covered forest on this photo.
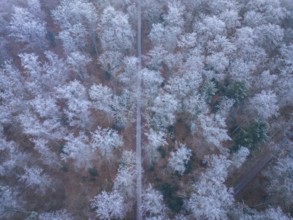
<point>209,101</point>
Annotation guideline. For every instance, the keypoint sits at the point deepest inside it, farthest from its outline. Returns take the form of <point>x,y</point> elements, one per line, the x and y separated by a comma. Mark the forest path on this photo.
<point>248,177</point>
<point>138,119</point>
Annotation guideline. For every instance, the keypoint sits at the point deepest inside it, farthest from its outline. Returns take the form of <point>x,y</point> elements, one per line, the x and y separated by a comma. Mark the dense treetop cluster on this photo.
<point>217,79</point>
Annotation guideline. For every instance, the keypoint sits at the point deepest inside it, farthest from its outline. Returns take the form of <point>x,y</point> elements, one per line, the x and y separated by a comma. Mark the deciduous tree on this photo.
<point>106,140</point>
<point>115,31</point>
<point>35,178</point>
<point>108,205</point>
<point>27,28</point>
<point>179,159</point>
<point>265,104</point>
<point>56,215</point>
<point>152,204</point>
<point>214,129</point>
<point>211,198</point>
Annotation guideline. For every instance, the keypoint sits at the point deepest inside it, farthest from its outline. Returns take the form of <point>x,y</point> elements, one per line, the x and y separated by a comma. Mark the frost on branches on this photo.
<point>77,148</point>
<point>155,140</point>
<point>125,179</point>
<point>240,156</point>
<point>9,200</point>
<point>153,204</point>
<point>265,104</point>
<point>34,177</point>
<point>179,159</point>
<point>281,181</point>
<point>211,198</point>
<point>56,215</point>
<point>164,108</point>
<point>108,205</point>
<point>115,31</point>
<point>214,129</point>
<point>25,27</point>
<point>106,140</point>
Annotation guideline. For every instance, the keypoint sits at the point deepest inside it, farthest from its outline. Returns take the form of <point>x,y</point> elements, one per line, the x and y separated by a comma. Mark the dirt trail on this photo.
<point>138,119</point>
<point>249,176</point>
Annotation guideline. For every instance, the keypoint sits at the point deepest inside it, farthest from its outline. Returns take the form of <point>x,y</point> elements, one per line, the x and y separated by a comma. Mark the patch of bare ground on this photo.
<point>128,138</point>
<point>254,195</point>
<point>81,186</point>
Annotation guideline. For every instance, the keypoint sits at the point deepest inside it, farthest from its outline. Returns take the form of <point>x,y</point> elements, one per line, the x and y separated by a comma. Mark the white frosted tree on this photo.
<point>11,157</point>
<point>77,105</point>
<point>179,159</point>
<point>174,16</point>
<point>243,212</point>
<point>125,179</point>
<point>164,109</point>
<point>167,37</point>
<point>185,88</point>
<point>264,12</point>
<point>214,129</point>
<point>155,140</point>
<point>166,34</point>
<point>44,106</point>
<point>108,205</point>
<point>219,165</point>
<point>285,80</point>
<point>106,140</point>
<point>76,16</point>
<point>129,76</point>
<point>43,77</point>
<point>152,11</point>
<point>111,62</point>
<point>271,214</point>
<point>240,156</point>
<point>211,199</point>
<point>47,155</point>
<point>281,181</point>
<point>27,28</point>
<point>209,28</point>
<point>266,80</point>
<point>9,202</point>
<point>218,62</point>
<point>225,106</point>
<point>73,38</point>
<point>121,107</point>
<point>103,98</point>
<point>56,215</point>
<point>35,178</point>
<point>34,6</point>
<point>265,104</point>
<point>151,82</point>
<point>56,71</point>
<point>73,12</point>
<point>115,31</point>
<point>77,148</point>
<point>269,36</point>
<point>231,18</point>
<point>187,40</point>
<point>78,62</point>
<point>155,57</point>
<point>49,128</point>
<point>153,204</point>
<point>33,68</point>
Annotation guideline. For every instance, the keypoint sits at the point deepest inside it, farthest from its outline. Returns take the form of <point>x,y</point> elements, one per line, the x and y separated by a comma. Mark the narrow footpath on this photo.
<point>248,177</point>
<point>138,119</point>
